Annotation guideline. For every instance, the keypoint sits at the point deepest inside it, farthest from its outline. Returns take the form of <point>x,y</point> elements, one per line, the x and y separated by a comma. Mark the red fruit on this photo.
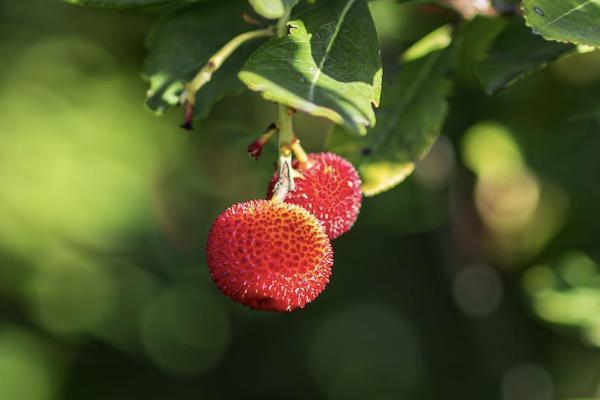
<point>329,189</point>
<point>269,256</point>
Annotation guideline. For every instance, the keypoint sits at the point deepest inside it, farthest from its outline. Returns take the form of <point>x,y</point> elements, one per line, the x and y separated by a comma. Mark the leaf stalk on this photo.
<point>282,22</point>
<point>214,63</point>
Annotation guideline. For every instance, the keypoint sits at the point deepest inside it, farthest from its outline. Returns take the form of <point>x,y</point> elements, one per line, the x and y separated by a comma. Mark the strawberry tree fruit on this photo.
<point>269,255</point>
<point>329,188</point>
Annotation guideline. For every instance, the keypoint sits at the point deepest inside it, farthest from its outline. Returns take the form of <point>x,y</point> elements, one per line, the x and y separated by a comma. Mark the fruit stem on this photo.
<point>255,148</point>
<point>214,63</point>
<point>299,153</point>
<point>282,186</point>
<point>285,180</point>
<point>286,135</point>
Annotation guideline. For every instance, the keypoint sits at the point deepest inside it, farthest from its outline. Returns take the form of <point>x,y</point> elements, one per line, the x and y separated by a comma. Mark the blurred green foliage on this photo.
<point>477,278</point>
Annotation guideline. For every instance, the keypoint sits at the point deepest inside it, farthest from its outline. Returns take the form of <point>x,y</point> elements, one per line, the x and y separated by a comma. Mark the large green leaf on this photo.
<point>575,21</point>
<point>272,9</point>
<point>328,65</point>
<point>118,3</point>
<point>181,43</point>
<point>409,122</point>
<point>515,53</point>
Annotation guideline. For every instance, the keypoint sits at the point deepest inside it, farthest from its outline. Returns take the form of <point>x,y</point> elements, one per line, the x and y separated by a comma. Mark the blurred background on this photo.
<point>477,278</point>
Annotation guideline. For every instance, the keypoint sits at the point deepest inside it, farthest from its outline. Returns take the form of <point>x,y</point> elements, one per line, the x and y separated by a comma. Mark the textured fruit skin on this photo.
<point>269,256</point>
<point>330,190</point>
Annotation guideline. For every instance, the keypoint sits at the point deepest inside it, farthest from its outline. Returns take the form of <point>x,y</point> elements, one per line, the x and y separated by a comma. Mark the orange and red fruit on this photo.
<point>330,189</point>
<point>269,255</point>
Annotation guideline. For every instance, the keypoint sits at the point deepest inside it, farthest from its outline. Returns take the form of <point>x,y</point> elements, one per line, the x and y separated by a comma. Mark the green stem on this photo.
<point>299,152</point>
<point>285,182</point>
<point>282,22</point>
<point>215,62</point>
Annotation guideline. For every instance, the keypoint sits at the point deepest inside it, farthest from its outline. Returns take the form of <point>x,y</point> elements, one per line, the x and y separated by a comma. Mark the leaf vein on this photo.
<point>338,25</point>
<point>555,20</point>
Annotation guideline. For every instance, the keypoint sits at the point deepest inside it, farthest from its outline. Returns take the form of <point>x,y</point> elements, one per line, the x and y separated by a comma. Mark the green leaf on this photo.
<point>272,9</point>
<point>116,4</point>
<point>181,43</point>
<point>574,21</point>
<point>438,39</point>
<point>472,40</point>
<point>514,54</point>
<point>328,65</point>
<point>409,122</point>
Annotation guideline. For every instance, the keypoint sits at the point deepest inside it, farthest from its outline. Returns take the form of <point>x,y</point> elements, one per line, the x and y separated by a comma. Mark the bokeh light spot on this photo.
<point>508,203</point>
<point>527,382</point>
<point>185,331</point>
<point>435,170</point>
<point>538,278</point>
<point>71,293</point>
<point>567,294</point>
<point>489,149</point>
<point>478,290</point>
<point>26,370</point>
<point>366,352</point>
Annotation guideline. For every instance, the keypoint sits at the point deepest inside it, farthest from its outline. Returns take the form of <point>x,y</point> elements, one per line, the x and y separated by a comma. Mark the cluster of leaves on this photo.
<point>329,65</point>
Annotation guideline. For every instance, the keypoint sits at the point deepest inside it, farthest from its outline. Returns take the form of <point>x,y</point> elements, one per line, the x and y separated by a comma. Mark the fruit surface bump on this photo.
<point>268,255</point>
<point>330,189</point>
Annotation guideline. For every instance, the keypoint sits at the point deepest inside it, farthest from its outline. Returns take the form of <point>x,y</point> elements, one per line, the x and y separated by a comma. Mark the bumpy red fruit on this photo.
<point>329,189</point>
<point>269,256</point>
